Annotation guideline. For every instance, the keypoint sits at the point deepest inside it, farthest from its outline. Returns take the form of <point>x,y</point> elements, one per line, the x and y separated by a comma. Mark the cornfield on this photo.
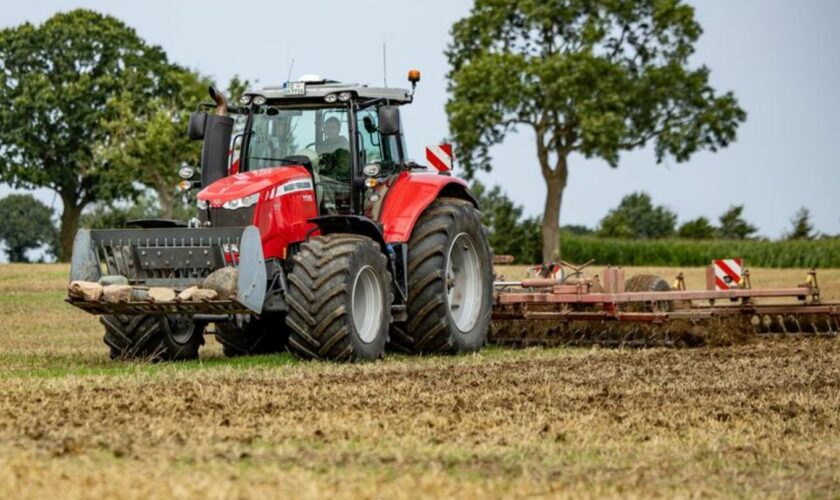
<point>821,253</point>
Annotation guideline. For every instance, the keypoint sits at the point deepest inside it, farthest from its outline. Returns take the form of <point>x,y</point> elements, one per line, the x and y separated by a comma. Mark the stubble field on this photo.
<point>758,419</point>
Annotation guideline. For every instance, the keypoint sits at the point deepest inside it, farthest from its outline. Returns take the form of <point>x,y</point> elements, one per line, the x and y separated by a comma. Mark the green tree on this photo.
<point>802,228</point>
<point>636,217</point>
<point>733,226</point>
<point>698,229</point>
<point>593,77</point>
<point>27,224</point>
<point>150,140</point>
<point>508,233</point>
<point>577,229</point>
<point>56,83</point>
<point>237,87</point>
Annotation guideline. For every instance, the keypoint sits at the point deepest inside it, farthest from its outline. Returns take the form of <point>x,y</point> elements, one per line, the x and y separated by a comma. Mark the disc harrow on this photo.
<point>574,310</point>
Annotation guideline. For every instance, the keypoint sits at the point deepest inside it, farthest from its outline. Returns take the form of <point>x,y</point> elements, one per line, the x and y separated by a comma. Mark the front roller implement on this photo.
<point>170,258</point>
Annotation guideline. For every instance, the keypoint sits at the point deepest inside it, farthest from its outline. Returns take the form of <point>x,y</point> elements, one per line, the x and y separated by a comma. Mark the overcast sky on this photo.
<point>781,59</point>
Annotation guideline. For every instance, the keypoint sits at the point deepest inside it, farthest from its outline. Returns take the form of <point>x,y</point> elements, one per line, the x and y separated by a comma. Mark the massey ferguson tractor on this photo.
<point>314,232</point>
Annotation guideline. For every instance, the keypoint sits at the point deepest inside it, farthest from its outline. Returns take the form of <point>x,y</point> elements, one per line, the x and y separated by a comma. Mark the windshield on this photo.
<point>279,133</point>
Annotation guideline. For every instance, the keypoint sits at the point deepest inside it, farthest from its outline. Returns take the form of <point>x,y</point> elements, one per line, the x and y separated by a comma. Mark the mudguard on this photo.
<point>411,193</point>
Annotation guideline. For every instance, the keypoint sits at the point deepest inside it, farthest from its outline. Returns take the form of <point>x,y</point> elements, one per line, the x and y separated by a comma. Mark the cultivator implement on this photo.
<point>581,311</point>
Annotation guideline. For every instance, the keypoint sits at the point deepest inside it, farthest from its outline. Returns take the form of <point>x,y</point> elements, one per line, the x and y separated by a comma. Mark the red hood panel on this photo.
<point>247,183</point>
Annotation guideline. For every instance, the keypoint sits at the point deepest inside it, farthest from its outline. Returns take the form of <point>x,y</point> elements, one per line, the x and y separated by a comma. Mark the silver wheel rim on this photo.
<point>180,329</point>
<point>366,301</point>
<point>463,282</point>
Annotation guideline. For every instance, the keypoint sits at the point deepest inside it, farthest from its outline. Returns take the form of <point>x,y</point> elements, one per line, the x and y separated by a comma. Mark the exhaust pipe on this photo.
<point>217,135</point>
<point>220,100</point>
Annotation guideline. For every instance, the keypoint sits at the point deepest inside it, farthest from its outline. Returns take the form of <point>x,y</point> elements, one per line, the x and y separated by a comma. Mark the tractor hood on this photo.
<point>245,184</point>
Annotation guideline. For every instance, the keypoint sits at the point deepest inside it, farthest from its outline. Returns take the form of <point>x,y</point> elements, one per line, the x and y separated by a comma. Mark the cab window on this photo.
<point>373,147</point>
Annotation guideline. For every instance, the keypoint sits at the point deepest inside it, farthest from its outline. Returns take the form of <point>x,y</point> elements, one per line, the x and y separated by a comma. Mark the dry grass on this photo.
<point>752,420</point>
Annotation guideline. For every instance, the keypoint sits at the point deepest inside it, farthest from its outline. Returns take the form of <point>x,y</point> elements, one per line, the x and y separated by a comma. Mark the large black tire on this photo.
<point>434,325</point>
<point>648,283</point>
<point>154,338</point>
<point>331,278</point>
<point>257,336</point>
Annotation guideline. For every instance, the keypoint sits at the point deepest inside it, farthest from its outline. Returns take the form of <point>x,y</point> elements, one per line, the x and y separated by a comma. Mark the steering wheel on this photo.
<point>328,162</point>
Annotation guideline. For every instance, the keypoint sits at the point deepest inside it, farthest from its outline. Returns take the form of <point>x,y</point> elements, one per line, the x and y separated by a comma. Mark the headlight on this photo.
<point>259,100</point>
<point>371,169</point>
<point>186,172</point>
<point>184,185</point>
<point>242,202</point>
<point>245,100</point>
<point>344,96</point>
<point>330,98</point>
<point>201,204</point>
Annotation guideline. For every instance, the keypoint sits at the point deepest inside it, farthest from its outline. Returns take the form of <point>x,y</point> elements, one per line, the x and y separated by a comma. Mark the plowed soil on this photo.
<point>755,419</point>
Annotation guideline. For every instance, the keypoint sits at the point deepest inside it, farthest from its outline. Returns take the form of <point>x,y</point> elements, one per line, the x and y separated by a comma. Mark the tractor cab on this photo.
<point>348,136</point>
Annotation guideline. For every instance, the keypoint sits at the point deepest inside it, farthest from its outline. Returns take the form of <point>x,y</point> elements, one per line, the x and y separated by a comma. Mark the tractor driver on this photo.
<point>334,166</point>
<point>334,152</point>
<point>332,138</point>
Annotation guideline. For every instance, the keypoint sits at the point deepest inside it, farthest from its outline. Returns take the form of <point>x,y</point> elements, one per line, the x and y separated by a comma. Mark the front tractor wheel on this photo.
<point>155,338</point>
<point>450,282</point>
<point>339,299</point>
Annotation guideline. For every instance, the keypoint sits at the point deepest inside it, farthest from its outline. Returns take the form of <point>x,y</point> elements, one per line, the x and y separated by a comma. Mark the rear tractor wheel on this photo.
<point>340,296</point>
<point>155,338</point>
<point>450,282</point>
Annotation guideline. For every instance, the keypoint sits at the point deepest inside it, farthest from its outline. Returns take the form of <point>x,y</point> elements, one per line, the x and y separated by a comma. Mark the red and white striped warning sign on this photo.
<point>728,273</point>
<point>440,157</point>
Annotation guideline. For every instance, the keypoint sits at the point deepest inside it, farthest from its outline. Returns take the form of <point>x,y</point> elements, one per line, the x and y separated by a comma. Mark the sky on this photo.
<point>781,59</point>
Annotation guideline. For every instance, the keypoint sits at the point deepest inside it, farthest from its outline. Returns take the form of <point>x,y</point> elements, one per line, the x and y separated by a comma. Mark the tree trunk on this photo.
<point>555,181</point>
<point>166,198</point>
<point>17,254</point>
<point>69,224</point>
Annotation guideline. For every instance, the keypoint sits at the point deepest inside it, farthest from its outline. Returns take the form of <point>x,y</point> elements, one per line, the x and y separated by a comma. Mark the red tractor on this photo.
<point>315,232</point>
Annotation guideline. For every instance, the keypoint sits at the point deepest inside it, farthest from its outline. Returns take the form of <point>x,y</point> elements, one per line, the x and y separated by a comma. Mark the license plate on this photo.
<point>295,88</point>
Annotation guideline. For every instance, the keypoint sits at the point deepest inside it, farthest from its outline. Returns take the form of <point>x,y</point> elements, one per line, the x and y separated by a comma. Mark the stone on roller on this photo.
<point>223,281</point>
<point>85,290</point>
<point>116,293</point>
<point>161,294</point>
<point>113,279</point>
<point>196,294</point>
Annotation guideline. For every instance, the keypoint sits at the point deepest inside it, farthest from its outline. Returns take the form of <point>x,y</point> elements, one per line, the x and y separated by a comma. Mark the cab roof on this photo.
<point>322,88</point>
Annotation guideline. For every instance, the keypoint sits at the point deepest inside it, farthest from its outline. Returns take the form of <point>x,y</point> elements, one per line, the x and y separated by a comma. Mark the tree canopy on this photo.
<point>733,226</point>
<point>637,217</point>
<point>57,84</point>
<point>697,229</point>
<point>149,139</point>
<point>27,224</point>
<point>508,232</point>
<point>594,77</point>
<point>801,226</point>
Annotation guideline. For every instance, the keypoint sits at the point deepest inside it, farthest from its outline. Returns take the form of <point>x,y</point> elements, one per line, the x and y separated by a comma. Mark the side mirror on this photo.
<point>370,128</point>
<point>389,120</point>
<point>198,121</point>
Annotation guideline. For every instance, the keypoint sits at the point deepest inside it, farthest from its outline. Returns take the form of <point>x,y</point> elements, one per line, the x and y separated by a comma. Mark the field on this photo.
<point>759,419</point>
